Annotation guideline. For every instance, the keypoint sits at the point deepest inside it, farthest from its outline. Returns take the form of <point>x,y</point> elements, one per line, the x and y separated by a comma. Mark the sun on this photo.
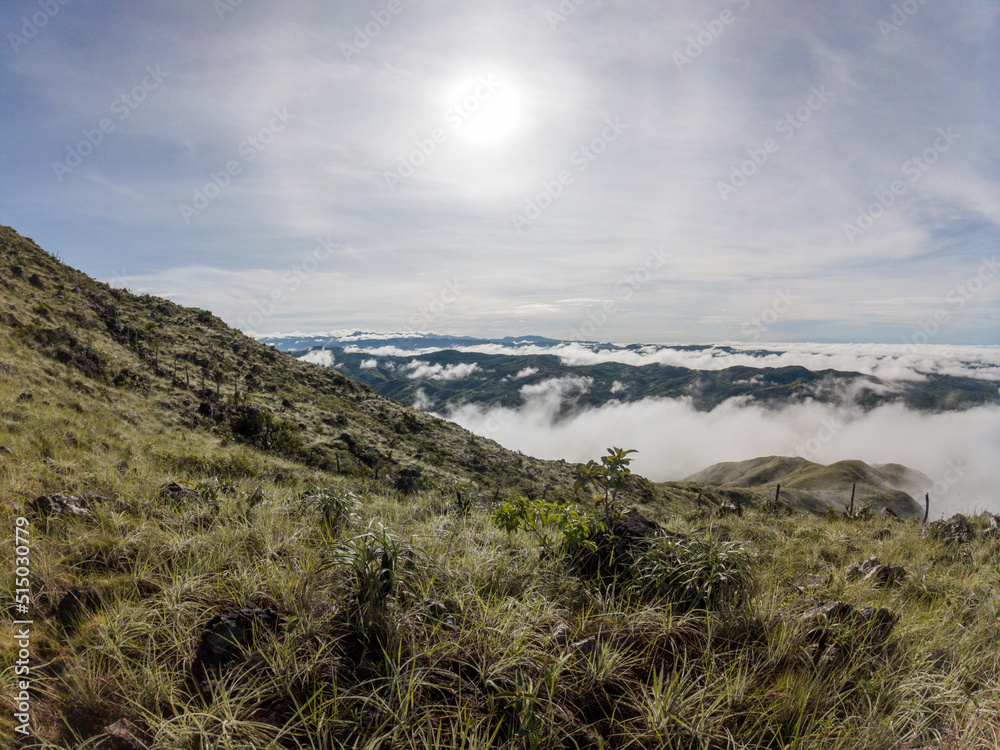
<point>485,110</point>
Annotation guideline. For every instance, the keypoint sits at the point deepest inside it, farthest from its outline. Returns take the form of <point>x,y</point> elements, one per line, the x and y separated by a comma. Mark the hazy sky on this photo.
<point>773,170</point>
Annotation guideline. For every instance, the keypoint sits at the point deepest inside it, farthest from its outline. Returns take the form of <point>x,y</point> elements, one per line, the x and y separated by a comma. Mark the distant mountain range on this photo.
<point>399,340</point>
<point>439,372</point>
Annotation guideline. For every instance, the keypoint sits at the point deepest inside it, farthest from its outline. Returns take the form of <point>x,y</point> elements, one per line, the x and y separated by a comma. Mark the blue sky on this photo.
<point>739,170</point>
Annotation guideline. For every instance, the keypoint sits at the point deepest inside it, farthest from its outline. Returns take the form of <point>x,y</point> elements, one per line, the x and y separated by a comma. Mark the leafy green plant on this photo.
<point>606,478</point>
<point>556,526</point>
<point>695,573</point>
<point>379,561</point>
<point>336,508</point>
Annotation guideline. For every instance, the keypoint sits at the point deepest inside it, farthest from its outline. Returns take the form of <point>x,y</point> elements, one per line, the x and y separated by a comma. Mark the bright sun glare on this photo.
<point>485,110</point>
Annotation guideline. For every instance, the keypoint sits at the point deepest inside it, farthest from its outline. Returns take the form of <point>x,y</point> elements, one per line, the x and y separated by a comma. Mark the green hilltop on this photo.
<point>817,488</point>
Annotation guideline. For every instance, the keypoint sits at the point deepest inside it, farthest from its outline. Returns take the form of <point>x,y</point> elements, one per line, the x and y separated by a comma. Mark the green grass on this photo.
<point>478,640</point>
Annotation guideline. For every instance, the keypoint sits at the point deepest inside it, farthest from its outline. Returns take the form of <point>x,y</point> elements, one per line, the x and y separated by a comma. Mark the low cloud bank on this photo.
<point>427,371</point>
<point>957,450</point>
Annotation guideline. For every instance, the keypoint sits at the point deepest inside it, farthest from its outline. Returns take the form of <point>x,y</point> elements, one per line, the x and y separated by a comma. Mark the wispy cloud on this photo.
<point>688,128</point>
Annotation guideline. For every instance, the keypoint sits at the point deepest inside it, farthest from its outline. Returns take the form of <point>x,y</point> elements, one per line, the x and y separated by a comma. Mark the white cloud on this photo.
<point>556,389</point>
<point>675,440</point>
<point>885,361</point>
<point>421,401</point>
<point>425,370</point>
<point>526,372</point>
<point>369,364</point>
<point>322,357</point>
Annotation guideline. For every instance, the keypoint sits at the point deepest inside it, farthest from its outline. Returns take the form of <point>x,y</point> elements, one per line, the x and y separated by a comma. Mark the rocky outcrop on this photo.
<point>874,624</point>
<point>835,630</point>
<point>888,514</point>
<point>124,735</point>
<point>226,636</point>
<point>618,545</point>
<point>60,505</point>
<point>877,572</point>
<point>177,492</point>
<point>956,530</point>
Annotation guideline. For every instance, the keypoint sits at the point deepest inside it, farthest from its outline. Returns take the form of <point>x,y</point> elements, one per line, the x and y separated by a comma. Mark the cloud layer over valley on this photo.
<point>957,450</point>
<point>932,408</point>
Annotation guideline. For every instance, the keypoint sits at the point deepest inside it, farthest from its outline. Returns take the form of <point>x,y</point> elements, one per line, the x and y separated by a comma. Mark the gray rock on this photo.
<point>625,538</point>
<point>956,530</point>
<point>60,505</point>
<point>125,735</point>
<point>805,582</point>
<point>862,569</point>
<point>227,636</point>
<point>873,624</point>
<point>824,611</point>
<point>877,572</point>
<point>176,491</point>
<point>560,636</point>
<point>729,507</point>
<point>889,513</point>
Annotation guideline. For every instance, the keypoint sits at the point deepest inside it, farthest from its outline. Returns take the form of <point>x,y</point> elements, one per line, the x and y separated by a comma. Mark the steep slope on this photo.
<point>816,487</point>
<point>111,347</point>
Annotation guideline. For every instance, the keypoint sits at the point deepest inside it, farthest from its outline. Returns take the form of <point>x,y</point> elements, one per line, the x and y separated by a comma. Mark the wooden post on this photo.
<point>777,493</point>
<point>927,507</point>
<point>698,501</point>
<point>851,513</point>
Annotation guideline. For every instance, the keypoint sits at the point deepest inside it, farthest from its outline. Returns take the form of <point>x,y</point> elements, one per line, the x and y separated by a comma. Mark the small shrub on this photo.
<point>261,429</point>
<point>335,506</point>
<point>556,526</point>
<point>607,477</point>
<point>380,562</point>
<point>695,573</point>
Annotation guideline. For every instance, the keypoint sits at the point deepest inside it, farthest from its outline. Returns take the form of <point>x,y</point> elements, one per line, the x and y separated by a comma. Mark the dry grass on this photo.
<point>480,643</point>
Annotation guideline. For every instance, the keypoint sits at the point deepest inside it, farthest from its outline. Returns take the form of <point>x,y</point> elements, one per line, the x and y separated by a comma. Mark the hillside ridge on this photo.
<point>213,377</point>
<point>817,487</point>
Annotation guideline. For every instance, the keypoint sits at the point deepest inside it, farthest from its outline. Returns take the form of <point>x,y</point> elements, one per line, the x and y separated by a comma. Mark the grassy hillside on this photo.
<point>108,345</point>
<point>816,488</point>
<point>299,586</point>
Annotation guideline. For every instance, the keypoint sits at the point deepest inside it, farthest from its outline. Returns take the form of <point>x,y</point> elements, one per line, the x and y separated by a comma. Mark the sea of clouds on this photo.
<point>959,450</point>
